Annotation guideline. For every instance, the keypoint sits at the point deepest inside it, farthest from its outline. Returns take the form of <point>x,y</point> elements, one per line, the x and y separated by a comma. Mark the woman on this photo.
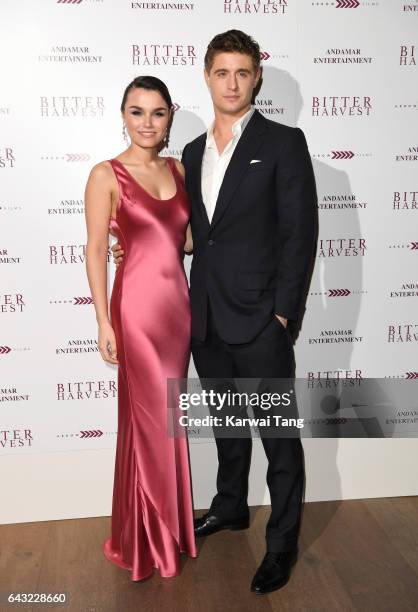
<point>142,197</point>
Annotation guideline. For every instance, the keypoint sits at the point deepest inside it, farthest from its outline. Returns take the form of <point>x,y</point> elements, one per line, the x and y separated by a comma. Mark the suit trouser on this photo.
<point>269,355</point>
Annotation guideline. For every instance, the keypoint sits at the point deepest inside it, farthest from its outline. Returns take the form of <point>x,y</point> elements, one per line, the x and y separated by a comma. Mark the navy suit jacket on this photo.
<point>253,260</point>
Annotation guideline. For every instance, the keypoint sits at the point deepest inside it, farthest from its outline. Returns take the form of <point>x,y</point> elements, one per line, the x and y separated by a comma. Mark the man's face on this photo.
<point>231,81</point>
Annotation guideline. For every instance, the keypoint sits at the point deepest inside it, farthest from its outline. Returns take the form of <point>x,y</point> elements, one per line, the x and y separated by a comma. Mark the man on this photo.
<point>253,197</point>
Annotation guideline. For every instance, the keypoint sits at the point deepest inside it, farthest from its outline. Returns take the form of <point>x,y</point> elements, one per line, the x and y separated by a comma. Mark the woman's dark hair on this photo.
<point>233,41</point>
<point>150,83</point>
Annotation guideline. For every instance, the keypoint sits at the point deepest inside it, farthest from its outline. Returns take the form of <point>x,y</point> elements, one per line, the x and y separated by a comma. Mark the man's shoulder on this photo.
<point>191,149</point>
<point>196,141</point>
<point>275,128</point>
<point>282,137</point>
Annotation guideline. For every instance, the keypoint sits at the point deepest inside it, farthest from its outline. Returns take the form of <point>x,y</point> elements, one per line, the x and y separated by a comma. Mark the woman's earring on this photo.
<point>166,138</point>
<point>125,136</point>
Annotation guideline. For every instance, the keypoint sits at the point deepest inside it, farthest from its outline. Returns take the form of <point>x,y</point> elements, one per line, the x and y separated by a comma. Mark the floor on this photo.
<point>354,555</point>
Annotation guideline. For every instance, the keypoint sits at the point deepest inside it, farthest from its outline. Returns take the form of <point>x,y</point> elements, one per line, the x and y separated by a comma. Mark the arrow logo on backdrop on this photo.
<point>4,350</point>
<point>77,156</point>
<point>338,292</point>
<point>264,55</point>
<point>411,375</point>
<point>342,155</point>
<point>414,246</point>
<point>347,4</point>
<point>69,1</point>
<point>91,433</point>
<point>83,300</point>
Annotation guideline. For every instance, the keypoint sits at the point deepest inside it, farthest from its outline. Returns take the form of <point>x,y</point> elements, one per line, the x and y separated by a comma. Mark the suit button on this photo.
<point>210,242</point>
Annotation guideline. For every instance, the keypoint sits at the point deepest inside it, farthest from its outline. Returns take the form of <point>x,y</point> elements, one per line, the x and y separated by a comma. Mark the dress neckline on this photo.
<point>131,176</point>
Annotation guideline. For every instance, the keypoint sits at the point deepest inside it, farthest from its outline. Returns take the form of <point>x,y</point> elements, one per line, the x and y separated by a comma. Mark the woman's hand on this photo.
<point>188,245</point>
<point>107,343</point>
<point>117,254</point>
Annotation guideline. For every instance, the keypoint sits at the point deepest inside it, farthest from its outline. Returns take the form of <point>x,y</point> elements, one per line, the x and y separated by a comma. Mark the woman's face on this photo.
<point>146,117</point>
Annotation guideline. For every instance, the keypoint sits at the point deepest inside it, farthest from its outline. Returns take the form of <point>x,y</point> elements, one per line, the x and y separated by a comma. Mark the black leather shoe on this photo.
<point>274,571</point>
<point>211,523</point>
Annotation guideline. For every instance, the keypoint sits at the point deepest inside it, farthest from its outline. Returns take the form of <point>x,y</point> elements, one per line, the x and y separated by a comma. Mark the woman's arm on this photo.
<point>98,207</point>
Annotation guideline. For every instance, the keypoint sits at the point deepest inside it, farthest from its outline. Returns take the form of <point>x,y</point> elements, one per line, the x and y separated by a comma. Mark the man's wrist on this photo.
<point>283,320</point>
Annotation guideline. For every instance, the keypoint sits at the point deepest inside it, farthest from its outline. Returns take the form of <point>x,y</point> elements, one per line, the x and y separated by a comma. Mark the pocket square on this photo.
<point>255,161</point>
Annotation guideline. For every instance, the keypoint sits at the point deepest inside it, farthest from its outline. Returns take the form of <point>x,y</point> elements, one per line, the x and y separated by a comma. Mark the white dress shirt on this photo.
<point>214,165</point>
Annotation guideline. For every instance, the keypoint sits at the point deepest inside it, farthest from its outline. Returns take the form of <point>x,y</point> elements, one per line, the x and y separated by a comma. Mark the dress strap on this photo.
<point>173,166</point>
<point>123,177</point>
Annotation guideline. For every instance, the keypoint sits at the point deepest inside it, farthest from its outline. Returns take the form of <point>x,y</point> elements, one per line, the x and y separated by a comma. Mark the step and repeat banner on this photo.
<point>345,71</point>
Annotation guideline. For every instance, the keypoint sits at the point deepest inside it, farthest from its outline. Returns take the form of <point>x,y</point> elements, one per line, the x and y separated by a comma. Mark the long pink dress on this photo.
<point>152,517</point>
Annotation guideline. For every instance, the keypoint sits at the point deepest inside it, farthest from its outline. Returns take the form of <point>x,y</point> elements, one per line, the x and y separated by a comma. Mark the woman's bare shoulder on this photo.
<point>103,173</point>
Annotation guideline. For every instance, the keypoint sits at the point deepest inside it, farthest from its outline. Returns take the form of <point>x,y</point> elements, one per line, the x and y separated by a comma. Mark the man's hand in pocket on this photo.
<point>282,320</point>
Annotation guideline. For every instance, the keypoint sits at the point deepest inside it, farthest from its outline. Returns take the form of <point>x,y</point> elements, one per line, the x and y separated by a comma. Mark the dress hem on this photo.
<point>125,566</point>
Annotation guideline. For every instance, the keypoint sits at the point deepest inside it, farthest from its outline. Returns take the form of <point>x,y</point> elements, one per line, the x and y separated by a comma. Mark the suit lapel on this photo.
<point>246,149</point>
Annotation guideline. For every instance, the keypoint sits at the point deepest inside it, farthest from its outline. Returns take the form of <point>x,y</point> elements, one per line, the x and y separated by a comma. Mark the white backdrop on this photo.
<point>345,72</point>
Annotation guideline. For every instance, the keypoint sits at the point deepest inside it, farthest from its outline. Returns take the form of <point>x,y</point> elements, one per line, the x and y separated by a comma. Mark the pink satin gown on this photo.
<point>152,516</point>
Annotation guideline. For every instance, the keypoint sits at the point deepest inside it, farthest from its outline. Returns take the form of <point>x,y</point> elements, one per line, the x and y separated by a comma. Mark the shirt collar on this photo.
<point>237,128</point>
